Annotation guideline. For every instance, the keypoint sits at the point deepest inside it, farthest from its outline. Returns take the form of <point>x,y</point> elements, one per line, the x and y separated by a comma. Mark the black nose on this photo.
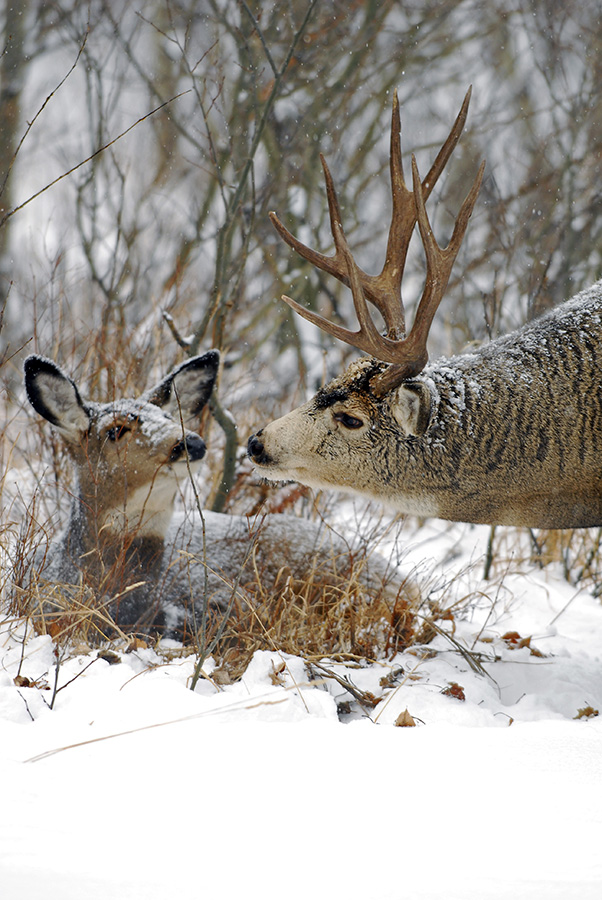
<point>193,445</point>
<point>256,450</point>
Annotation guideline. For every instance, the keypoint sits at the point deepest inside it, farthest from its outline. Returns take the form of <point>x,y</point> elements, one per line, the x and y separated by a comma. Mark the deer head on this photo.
<point>127,453</point>
<point>406,354</point>
<point>382,388</point>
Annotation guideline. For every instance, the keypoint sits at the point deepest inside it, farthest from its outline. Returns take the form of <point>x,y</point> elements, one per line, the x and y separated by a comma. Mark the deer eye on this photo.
<point>348,421</point>
<point>117,432</point>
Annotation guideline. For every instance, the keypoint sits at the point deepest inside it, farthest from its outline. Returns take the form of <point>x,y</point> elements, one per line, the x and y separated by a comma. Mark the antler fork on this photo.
<point>406,354</point>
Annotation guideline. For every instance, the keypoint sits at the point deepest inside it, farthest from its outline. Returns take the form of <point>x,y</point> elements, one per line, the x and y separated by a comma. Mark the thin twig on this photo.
<point>39,113</point>
<point>96,153</point>
<point>180,341</point>
<point>235,200</point>
<point>259,33</point>
<point>226,422</point>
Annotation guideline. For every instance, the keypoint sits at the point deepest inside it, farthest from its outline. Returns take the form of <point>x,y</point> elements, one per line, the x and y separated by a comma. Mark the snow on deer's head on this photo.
<point>360,429</point>
<point>128,453</point>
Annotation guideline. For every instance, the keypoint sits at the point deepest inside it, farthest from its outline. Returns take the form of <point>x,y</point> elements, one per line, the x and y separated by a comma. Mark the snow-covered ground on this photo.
<point>135,787</point>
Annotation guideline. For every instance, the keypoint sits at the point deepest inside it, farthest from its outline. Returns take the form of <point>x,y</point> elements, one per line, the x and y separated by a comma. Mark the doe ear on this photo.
<point>188,387</point>
<point>414,405</point>
<point>56,397</point>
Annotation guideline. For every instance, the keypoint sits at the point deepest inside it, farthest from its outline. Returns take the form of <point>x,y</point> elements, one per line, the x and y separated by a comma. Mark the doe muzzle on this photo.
<point>256,449</point>
<point>193,446</point>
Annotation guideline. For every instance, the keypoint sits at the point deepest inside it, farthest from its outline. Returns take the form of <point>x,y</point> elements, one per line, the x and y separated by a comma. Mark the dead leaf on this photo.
<point>136,644</point>
<point>24,682</point>
<point>221,675</point>
<point>109,656</point>
<point>276,674</point>
<point>404,720</point>
<point>588,712</point>
<point>511,638</point>
<point>514,641</point>
<point>390,679</point>
<point>454,690</point>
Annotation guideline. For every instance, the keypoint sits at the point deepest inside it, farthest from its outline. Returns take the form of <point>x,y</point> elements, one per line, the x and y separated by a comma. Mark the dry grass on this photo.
<point>347,605</point>
<point>576,552</point>
<point>322,615</point>
<point>73,615</point>
<point>334,611</point>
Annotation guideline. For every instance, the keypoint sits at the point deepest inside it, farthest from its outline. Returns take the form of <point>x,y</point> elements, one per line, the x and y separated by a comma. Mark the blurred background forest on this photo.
<point>166,131</point>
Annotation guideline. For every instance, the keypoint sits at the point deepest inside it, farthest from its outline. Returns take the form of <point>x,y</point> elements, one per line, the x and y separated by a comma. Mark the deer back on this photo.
<point>509,434</point>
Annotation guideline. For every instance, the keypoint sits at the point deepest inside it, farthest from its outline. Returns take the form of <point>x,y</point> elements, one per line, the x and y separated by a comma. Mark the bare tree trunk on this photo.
<point>12,75</point>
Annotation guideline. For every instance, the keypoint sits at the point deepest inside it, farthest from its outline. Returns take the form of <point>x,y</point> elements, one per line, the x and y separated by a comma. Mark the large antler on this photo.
<point>407,355</point>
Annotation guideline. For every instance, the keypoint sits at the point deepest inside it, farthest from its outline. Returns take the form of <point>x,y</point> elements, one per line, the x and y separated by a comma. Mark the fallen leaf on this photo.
<point>514,641</point>
<point>404,720</point>
<point>136,644</point>
<point>109,656</point>
<point>390,679</point>
<point>454,690</point>
<point>512,638</point>
<point>221,675</point>
<point>25,682</point>
<point>276,674</point>
<point>588,712</point>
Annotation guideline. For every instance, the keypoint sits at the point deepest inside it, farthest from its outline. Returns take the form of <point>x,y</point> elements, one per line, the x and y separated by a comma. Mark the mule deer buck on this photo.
<point>508,434</point>
<point>149,568</point>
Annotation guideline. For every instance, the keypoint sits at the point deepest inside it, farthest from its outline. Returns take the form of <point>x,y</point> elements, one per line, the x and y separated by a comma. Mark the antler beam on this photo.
<point>407,355</point>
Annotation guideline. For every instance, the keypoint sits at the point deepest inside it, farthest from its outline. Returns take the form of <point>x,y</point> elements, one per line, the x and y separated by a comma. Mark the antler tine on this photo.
<point>447,149</point>
<point>407,355</point>
<point>383,290</point>
<point>337,264</point>
<point>412,355</point>
<point>387,285</point>
<point>368,338</point>
<point>334,265</point>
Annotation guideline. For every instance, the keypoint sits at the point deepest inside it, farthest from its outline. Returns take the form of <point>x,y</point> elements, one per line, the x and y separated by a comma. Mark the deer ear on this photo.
<point>188,387</point>
<point>414,405</point>
<point>56,397</point>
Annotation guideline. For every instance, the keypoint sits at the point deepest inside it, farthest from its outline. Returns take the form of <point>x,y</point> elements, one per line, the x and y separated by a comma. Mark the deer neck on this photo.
<point>124,546</point>
<point>104,511</point>
<point>122,569</point>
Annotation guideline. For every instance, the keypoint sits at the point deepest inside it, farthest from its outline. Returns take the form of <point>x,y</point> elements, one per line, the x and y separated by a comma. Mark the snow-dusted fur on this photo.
<point>205,557</point>
<point>508,434</point>
<point>124,549</point>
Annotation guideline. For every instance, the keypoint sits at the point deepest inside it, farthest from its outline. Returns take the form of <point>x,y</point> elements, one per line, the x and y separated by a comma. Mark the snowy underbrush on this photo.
<point>477,748</point>
<point>518,645</point>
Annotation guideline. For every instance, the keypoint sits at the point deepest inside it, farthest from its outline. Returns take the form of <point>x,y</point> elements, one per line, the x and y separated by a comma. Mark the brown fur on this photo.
<point>509,434</point>
<point>124,550</point>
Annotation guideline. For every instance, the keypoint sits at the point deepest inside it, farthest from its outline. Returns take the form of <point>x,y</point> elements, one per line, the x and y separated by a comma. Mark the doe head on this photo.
<point>127,452</point>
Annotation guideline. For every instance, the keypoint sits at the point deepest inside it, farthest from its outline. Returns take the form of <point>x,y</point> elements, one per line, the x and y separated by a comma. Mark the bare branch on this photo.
<point>38,114</point>
<point>88,159</point>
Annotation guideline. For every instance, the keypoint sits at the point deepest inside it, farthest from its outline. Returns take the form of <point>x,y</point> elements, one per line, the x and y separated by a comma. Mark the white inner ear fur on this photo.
<point>186,392</point>
<point>413,406</point>
<point>61,400</point>
<point>190,390</point>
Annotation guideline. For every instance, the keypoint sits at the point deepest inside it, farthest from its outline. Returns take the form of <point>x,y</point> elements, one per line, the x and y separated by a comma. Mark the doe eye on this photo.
<point>348,421</point>
<point>117,432</point>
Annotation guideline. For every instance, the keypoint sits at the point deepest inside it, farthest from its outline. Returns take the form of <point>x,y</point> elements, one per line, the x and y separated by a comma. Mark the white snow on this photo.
<point>135,787</point>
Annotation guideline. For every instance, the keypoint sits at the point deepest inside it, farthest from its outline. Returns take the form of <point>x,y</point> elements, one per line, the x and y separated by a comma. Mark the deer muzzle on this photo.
<point>256,450</point>
<point>192,447</point>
